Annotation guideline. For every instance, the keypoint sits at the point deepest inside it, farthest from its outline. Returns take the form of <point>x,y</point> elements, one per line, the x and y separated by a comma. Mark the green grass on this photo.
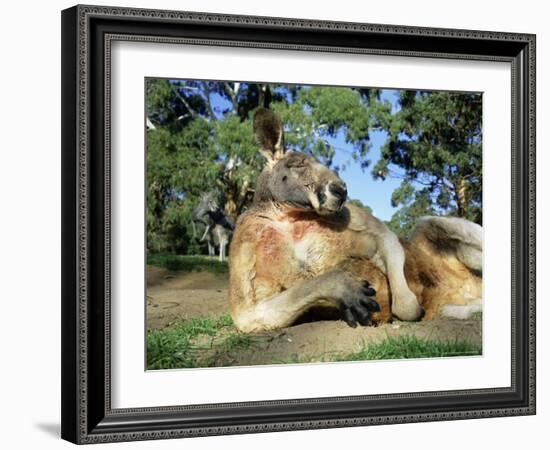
<point>214,342</point>
<point>186,344</point>
<point>404,347</point>
<point>400,347</point>
<point>188,263</point>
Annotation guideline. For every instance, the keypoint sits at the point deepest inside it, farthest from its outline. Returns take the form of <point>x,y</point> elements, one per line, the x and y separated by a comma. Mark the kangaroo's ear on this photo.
<point>269,134</point>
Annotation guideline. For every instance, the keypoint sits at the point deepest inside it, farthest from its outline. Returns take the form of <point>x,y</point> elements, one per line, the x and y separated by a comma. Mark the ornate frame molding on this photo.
<point>88,421</point>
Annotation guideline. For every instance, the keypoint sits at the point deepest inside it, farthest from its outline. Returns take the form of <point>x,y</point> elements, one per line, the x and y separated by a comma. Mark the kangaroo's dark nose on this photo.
<point>339,190</point>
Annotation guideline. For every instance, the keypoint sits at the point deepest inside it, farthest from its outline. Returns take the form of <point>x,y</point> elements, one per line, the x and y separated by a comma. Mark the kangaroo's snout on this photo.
<point>332,196</point>
<point>339,190</point>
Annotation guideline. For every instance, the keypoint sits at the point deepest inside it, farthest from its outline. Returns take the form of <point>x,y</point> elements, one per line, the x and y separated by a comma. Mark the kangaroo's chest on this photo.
<point>314,253</point>
<point>305,248</point>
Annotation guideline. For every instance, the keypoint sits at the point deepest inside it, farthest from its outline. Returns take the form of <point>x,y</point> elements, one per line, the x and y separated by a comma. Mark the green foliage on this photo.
<point>202,140</point>
<point>320,112</point>
<point>194,247</point>
<point>418,204</point>
<point>434,145</point>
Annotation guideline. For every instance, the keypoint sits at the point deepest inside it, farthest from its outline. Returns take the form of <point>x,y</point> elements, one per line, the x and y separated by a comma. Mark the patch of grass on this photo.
<point>191,343</point>
<point>215,342</point>
<point>477,316</point>
<point>403,347</point>
<point>188,263</point>
<point>235,342</point>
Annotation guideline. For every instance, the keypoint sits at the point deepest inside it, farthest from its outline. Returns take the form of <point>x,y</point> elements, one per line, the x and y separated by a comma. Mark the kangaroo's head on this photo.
<point>290,178</point>
<point>209,201</point>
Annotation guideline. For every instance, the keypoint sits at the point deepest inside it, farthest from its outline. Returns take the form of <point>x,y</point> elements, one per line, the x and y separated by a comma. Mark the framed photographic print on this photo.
<point>281,224</point>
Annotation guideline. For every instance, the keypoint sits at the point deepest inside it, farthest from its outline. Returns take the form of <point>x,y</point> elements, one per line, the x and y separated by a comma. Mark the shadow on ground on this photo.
<point>53,429</point>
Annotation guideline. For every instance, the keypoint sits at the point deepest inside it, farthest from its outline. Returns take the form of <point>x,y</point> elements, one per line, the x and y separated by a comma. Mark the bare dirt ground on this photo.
<point>176,296</point>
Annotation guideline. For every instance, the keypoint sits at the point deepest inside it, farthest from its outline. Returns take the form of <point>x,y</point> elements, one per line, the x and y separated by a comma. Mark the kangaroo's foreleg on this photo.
<point>206,231</point>
<point>390,258</point>
<point>337,288</point>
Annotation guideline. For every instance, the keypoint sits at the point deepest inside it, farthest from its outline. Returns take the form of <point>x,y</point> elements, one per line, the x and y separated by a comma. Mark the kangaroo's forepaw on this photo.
<point>358,307</point>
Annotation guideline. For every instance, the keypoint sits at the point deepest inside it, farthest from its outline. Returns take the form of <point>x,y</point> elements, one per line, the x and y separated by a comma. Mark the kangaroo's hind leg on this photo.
<point>460,235</point>
<point>459,244</point>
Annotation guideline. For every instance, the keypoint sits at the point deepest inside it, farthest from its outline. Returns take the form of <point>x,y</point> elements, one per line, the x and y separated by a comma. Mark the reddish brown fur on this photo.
<point>264,262</point>
<point>299,247</point>
<point>435,278</point>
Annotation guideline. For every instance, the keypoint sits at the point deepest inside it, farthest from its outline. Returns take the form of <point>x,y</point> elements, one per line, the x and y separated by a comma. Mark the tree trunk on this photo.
<point>231,202</point>
<point>462,197</point>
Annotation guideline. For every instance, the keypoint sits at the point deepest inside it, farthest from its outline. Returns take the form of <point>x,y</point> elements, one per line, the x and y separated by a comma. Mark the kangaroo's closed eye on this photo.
<point>300,170</point>
<point>296,162</point>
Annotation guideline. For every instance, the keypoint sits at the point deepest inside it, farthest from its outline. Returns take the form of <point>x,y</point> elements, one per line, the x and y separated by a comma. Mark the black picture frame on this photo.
<point>87,32</point>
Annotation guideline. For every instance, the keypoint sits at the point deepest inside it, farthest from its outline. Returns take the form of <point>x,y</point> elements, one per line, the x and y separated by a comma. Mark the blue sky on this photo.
<point>361,185</point>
